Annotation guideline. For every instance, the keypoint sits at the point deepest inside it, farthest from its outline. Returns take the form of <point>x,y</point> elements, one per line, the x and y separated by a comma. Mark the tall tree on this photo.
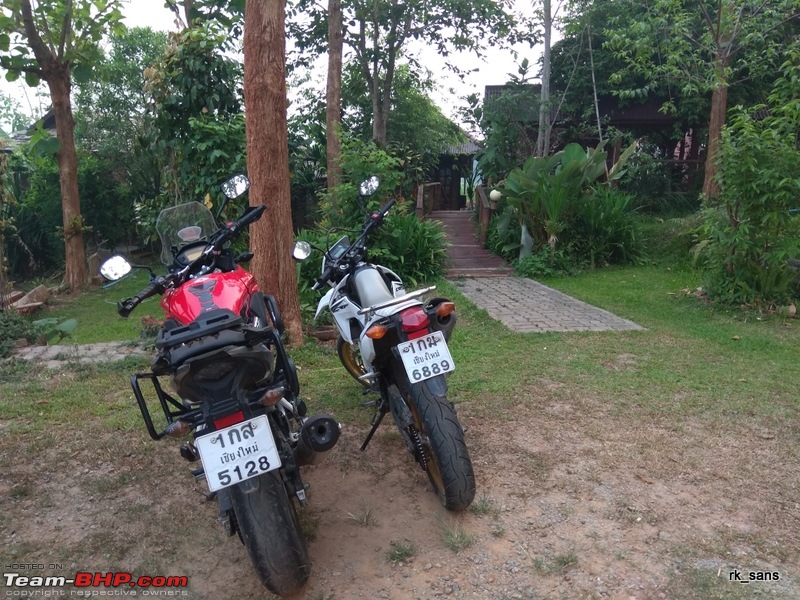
<point>54,41</point>
<point>704,47</point>
<point>545,107</point>
<point>333,106</point>
<point>268,156</point>
<point>380,33</point>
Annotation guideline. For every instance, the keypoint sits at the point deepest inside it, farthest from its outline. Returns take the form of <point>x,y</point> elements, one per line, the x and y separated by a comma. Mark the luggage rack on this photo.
<point>172,408</point>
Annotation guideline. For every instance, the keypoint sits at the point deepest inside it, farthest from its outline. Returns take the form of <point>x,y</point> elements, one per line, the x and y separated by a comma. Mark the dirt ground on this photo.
<point>574,501</point>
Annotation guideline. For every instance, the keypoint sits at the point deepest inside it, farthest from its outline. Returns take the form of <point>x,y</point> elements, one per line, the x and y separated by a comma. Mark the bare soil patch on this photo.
<point>575,500</point>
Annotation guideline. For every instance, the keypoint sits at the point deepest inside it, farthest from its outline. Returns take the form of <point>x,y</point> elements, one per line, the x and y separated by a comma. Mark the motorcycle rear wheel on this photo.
<point>268,526</point>
<point>447,461</point>
<point>350,357</point>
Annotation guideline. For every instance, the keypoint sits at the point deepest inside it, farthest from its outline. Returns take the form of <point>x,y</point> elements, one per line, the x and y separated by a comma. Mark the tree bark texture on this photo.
<point>58,77</point>
<point>333,106</point>
<point>75,276</point>
<point>719,108</point>
<point>271,237</point>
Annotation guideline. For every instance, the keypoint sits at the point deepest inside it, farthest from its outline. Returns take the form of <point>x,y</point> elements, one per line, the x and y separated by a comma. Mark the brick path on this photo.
<point>521,304</point>
<point>526,306</point>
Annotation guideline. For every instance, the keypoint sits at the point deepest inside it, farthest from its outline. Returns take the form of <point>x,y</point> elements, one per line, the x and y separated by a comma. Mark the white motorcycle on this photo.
<point>395,345</point>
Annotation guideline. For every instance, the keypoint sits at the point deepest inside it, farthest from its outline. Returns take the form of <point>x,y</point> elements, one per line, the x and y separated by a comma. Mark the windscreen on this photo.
<point>181,225</point>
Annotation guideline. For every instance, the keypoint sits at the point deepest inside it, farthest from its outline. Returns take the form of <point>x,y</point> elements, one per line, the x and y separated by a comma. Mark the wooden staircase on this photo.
<point>467,258</point>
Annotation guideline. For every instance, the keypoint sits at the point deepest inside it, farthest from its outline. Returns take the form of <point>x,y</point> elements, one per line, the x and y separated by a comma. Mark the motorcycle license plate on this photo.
<point>426,356</point>
<point>237,453</point>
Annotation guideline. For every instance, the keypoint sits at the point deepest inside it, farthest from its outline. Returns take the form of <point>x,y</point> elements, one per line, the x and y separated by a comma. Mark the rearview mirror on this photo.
<point>301,251</point>
<point>236,186</point>
<point>115,268</point>
<point>369,186</point>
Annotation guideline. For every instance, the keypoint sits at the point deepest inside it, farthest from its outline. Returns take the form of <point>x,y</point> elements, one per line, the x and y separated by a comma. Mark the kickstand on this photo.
<point>376,421</point>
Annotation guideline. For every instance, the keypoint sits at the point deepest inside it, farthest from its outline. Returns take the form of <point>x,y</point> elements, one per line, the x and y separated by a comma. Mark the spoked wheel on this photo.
<point>441,449</point>
<point>350,356</point>
<point>267,523</point>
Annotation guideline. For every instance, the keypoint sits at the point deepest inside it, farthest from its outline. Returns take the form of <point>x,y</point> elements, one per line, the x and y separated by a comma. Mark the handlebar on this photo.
<point>372,222</point>
<point>159,284</point>
<point>125,307</point>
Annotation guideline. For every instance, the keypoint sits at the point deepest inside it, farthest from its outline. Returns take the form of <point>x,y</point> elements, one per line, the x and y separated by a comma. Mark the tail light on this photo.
<point>228,420</point>
<point>414,322</point>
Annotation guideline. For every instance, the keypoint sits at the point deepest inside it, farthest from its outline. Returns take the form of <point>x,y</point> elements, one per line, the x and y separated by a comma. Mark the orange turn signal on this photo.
<point>376,332</point>
<point>177,429</point>
<point>444,309</point>
<point>272,397</point>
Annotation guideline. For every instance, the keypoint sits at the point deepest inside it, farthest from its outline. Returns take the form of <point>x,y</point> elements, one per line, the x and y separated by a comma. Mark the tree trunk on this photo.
<point>333,107</point>
<point>543,138</point>
<point>380,116</point>
<point>58,80</point>
<point>719,108</point>
<point>271,237</point>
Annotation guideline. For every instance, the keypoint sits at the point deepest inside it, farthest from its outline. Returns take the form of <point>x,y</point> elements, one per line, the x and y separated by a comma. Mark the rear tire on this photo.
<point>447,461</point>
<point>268,526</point>
<point>350,357</point>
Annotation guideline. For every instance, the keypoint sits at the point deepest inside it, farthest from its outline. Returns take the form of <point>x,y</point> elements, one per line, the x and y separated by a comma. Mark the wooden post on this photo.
<point>420,211</point>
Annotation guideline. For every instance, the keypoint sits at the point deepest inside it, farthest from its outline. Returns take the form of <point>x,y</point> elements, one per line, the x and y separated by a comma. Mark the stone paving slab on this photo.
<point>526,306</point>
<point>53,357</point>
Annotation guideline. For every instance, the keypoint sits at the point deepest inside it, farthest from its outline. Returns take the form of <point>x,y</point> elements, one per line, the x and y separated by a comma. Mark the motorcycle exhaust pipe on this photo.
<point>319,434</point>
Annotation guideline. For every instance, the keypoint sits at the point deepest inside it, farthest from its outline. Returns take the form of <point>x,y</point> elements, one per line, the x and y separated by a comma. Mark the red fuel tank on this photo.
<point>217,290</point>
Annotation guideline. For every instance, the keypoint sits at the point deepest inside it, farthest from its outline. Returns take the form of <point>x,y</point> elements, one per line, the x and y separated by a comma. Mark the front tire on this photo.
<point>268,525</point>
<point>350,357</point>
<point>444,452</point>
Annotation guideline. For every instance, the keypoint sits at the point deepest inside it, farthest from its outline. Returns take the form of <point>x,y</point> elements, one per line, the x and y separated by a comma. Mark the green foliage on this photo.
<point>86,22</point>
<point>417,131</point>
<point>412,248</point>
<point>35,244</point>
<point>509,124</point>
<point>606,231</point>
<point>54,329</point>
<point>559,202</point>
<point>544,263</point>
<point>194,114</point>
<point>12,118</point>
<point>751,232</point>
<point>109,121</point>
<point>381,32</point>
<point>13,327</point>
<point>342,207</point>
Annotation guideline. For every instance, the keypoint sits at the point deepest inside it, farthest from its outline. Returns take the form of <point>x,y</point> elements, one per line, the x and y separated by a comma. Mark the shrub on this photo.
<point>606,231</point>
<point>750,232</point>
<point>546,262</point>
<point>13,327</point>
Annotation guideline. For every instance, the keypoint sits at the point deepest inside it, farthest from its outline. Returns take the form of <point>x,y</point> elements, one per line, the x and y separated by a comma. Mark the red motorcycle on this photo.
<point>237,389</point>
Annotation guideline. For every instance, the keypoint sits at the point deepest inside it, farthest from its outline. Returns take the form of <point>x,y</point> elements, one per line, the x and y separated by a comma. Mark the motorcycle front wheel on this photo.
<point>350,357</point>
<point>268,525</point>
<point>444,452</point>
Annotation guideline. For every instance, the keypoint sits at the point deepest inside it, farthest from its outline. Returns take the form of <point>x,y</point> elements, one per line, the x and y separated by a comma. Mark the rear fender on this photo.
<point>437,385</point>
